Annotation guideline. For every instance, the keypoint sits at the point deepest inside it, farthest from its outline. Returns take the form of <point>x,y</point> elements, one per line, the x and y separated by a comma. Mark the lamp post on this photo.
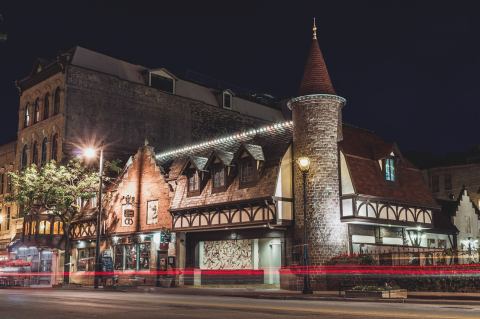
<point>304,165</point>
<point>91,153</point>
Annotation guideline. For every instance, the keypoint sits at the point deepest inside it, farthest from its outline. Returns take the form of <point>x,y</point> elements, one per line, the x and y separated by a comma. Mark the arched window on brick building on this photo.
<point>54,154</point>
<point>26,117</point>
<point>36,111</point>
<point>24,159</point>
<point>35,153</point>
<point>46,106</point>
<point>44,151</point>
<point>56,101</point>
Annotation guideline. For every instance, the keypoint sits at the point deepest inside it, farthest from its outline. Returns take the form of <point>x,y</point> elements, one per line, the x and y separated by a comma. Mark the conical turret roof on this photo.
<point>315,77</point>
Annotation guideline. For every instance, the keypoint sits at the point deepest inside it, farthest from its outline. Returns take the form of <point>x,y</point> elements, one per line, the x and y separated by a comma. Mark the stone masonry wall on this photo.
<point>461,175</point>
<point>125,113</point>
<point>315,135</point>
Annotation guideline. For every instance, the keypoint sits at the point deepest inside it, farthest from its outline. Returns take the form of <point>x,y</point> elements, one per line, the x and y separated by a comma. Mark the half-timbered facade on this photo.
<point>384,198</point>
<point>232,204</point>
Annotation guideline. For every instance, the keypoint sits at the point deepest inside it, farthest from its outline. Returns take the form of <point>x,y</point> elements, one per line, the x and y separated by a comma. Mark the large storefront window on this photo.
<point>86,259</point>
<point>132,256</point>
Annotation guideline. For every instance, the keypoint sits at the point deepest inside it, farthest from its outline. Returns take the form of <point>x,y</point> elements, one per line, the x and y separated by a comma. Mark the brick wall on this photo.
<point>143,180</point>
<point>125,113</point>
<point>46,127</point>
<point>315,135</point>
<point>468,175</point>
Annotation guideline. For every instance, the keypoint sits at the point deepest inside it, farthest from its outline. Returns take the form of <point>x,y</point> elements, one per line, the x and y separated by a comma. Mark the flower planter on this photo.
<point>381,294</point>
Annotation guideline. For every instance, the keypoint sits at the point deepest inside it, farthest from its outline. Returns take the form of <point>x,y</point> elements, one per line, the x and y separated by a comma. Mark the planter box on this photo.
<point>165,282</point>
<point>387,294</point>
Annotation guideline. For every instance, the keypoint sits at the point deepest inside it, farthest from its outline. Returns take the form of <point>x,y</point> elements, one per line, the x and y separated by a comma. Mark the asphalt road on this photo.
<point>53,304</point>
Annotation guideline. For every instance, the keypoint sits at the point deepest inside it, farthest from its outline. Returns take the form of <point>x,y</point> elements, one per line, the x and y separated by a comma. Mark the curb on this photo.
<point>423,299</point>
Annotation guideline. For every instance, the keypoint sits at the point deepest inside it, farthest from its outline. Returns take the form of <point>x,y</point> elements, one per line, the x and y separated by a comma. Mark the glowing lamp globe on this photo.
<point>89,152</point>
<point>303,164</point>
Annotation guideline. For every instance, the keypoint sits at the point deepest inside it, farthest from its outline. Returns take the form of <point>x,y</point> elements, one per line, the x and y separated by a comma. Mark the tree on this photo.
<point>54,189</point>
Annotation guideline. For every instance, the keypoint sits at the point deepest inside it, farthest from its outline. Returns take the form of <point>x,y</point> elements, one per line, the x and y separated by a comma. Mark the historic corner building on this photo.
<point>82,97</point>
<point>235,202</point>
<point>217,193</point>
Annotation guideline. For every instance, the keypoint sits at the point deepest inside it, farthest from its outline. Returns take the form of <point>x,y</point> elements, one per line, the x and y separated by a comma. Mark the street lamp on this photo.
<point>304,166</point>
<point>90,153</point>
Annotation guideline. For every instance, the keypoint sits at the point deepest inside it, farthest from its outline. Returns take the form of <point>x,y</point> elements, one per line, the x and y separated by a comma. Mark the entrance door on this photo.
<point>270,259</point>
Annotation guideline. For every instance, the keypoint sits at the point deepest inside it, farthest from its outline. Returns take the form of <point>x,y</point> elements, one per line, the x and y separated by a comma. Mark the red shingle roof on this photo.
<point>363,150</point>
<point>315,77</point>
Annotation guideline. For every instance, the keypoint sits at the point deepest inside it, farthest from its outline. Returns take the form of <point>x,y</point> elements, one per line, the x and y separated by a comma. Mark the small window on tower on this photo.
<point>227,100</point>
<point>390,169</point>
<point>162,83</point>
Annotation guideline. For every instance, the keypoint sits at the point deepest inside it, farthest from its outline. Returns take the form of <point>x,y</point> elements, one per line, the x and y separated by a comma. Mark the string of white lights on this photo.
<point>229,138</point>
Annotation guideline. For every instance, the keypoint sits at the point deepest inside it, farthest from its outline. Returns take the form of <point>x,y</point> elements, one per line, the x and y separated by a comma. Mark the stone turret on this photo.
<point>317,131</point>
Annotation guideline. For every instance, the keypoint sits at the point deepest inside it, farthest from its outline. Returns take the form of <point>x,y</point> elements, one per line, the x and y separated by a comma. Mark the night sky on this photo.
<point>410,71</point>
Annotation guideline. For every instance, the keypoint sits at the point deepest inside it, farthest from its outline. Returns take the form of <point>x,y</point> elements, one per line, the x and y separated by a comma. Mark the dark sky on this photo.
<point>410,70</point>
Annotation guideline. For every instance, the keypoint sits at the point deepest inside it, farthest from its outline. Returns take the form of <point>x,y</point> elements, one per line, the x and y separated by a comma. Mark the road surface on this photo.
<point>53,304</point>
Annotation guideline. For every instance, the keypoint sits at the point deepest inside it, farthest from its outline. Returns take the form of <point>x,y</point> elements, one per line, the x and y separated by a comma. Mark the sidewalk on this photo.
<point>413,297</point>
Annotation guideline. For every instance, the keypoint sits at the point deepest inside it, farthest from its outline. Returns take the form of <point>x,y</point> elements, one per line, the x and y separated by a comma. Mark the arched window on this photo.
<point>58,228</point>
<point>35,153</point>
<point>56,102</point>
<point>46,106</point>
<point>26,231</point>
<point>53,155</point>
<point>1,183</point>
<point>36,111</point>
<point>33,228</point>
<point>9,184</point>
<point>24,159</point>
<point>44,151</point>
<point>26,118</point>
<point>44,227</point>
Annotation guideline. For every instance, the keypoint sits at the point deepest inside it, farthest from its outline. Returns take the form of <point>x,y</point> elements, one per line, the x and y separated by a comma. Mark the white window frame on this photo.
<point>173,80</point>
<point>225,93</point>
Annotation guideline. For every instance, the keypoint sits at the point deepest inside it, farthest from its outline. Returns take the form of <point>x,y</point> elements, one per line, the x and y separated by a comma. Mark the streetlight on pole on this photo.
<point>304,165</point>
<point>90,152</point>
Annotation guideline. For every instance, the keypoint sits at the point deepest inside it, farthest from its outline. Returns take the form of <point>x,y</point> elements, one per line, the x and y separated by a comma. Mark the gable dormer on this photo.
<point>250,159</point>
<point>194,170</point>
<point>389,165</point>
<point>220,167</point>
<point>227,99</point>
<point>162,80</point>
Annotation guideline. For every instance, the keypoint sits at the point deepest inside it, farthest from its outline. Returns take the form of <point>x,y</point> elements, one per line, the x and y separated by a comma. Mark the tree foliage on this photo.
<point>53,188</point>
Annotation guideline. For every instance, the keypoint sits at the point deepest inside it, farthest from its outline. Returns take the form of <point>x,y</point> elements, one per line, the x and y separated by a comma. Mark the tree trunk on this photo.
<point>66,268</point>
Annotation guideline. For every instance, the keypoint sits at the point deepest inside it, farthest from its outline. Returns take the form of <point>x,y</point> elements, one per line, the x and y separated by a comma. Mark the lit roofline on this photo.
<point>227,138</point>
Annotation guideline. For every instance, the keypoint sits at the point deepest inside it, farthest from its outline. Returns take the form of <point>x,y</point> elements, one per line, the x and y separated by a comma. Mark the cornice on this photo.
<point>313,97</point>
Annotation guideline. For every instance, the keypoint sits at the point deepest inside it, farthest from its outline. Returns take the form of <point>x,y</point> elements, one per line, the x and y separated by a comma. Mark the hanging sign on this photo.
<point>127,215</point>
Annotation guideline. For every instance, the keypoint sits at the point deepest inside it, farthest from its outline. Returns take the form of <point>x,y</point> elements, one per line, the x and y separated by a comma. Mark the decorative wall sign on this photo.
<point>127,215</point>
<point>152,212</point>
<point>227,254</point>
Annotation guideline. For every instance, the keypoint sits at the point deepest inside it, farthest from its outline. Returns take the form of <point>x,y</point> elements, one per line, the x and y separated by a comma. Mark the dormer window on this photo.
<point>193,183</point>
<point>390,169</point>
<point>227,100</point>
<point>248,172</point>
<point>218,177</point>
<point>162,83</point>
